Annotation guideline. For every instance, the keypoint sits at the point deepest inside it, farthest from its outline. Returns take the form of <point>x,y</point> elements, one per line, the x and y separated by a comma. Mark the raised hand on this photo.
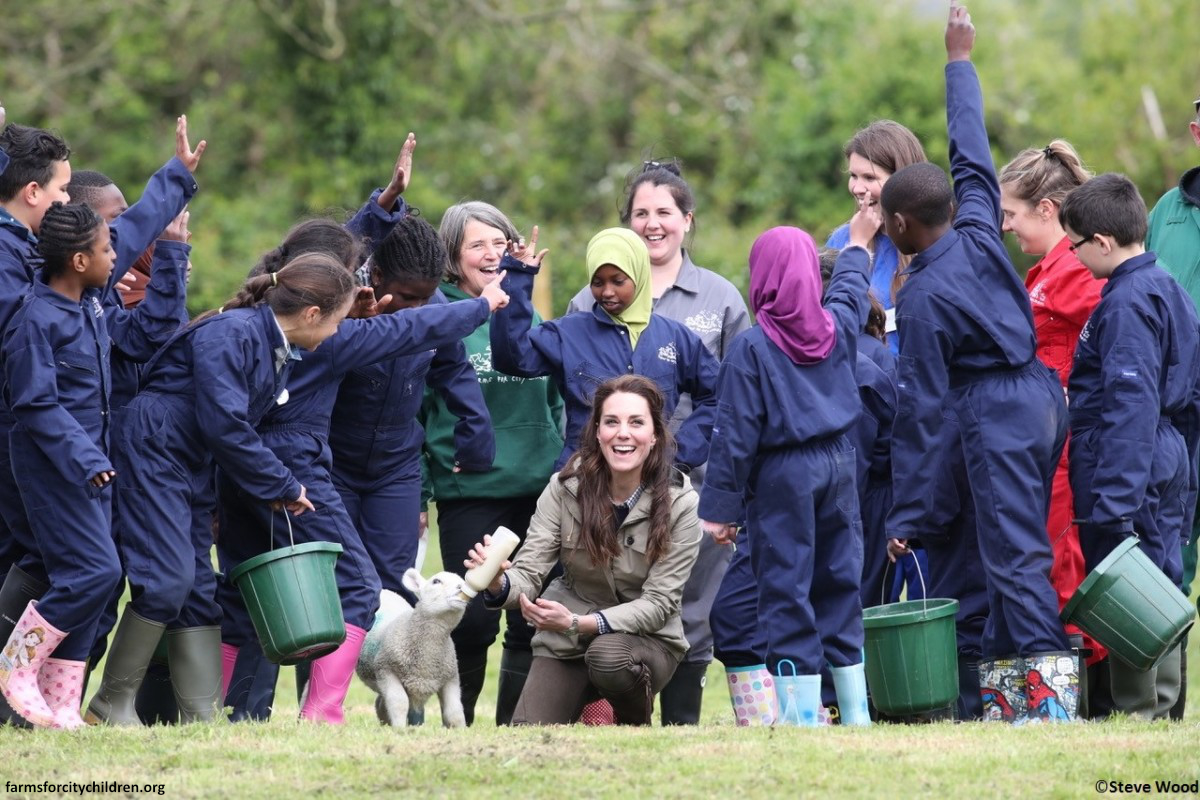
<point>183,150</point>
<point>528,254</point>
<point>401,174</point>
<point>178,229</point>
<point>865,223</point>
<point>366,306</point>
<point>960,33</point>
<point>496,297</point>
<point>2,117</point>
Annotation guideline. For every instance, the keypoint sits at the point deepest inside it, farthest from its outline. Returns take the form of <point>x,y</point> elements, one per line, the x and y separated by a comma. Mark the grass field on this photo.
<point>283,758</point>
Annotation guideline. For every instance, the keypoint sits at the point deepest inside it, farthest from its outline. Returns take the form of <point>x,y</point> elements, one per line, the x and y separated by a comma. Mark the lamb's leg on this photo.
<point>381,710</point>
<point>450,697</point>
<point>395,700</point>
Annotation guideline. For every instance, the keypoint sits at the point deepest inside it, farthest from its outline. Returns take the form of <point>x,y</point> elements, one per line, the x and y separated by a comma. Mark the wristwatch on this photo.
<point>573,628</point>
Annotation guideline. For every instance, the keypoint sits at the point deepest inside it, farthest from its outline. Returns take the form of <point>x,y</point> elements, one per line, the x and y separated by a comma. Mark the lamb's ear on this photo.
<point>412,580</point>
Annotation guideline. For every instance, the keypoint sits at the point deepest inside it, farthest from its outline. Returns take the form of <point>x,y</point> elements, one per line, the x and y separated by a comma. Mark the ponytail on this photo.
<point>312,279</point>
<point>1049,173</point>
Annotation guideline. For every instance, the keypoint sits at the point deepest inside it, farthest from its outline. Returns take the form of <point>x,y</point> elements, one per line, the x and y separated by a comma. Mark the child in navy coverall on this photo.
<point>967,344</point>
<point>1135,409</point>
<point>780,460</point>
<point>57,373</point>
<point>202,397</point>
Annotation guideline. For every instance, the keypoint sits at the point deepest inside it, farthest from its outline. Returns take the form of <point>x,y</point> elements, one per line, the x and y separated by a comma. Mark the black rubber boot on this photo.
<point>970,702</point>
<point>679,702</point>
<point>1177,710</point>
<point>471,673</point>
<point>252,686</point>
<point>155,702</point>
<point>195,658</point>
<point>132,647</point>
<point>19,588</point>
<point>514,669</point>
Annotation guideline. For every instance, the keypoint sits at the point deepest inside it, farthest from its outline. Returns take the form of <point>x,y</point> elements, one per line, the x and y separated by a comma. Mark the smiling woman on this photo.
<point>623,524</point>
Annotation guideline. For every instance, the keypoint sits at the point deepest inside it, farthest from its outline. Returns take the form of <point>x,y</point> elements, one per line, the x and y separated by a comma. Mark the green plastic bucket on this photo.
<point>293,601</point>
<point>1128,605</point>
<point>911,655</point>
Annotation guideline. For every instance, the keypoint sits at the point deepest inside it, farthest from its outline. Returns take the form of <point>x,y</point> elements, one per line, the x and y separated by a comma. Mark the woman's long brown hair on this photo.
<point>598,535</point>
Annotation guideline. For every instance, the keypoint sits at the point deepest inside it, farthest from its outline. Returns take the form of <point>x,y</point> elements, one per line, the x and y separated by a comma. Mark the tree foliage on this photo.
<point>544,107</point>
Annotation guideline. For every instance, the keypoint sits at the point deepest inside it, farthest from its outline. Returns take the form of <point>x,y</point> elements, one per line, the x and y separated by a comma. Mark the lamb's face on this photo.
<point>439,595</point>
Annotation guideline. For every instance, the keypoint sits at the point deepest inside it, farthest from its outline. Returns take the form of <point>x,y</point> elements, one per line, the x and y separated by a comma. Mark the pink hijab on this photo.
<point>785,294</point>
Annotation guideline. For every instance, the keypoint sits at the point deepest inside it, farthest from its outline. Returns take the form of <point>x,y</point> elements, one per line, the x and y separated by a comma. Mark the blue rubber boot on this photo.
<point>851,685</point>
<point>799,697</point>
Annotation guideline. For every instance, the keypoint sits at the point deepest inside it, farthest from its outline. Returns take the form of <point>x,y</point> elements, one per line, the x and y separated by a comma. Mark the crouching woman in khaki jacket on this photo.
<point>623,523</point>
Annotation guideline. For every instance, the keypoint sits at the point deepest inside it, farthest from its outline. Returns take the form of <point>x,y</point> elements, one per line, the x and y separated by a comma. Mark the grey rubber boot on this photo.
<point>194,655</point>
<point>1168,682</point>
<point>1133,691</point>
<point>514,669</point>
<point>132,646</point>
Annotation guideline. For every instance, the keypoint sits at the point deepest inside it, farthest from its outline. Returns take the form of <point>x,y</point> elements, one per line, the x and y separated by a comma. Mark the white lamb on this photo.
<point>408,656</point>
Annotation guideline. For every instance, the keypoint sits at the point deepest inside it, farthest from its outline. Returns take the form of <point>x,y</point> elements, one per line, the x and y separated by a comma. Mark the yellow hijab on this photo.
<point>626,251</point>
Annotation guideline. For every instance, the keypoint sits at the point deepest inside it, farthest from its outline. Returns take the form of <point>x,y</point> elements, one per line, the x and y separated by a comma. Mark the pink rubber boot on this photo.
<point>61,684</point>
<point>229,655</point>
<point>31,643</point>
<point>330,680</point>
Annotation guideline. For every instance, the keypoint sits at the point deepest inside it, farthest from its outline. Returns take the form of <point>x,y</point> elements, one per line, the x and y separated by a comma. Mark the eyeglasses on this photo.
<point>1074,246</point>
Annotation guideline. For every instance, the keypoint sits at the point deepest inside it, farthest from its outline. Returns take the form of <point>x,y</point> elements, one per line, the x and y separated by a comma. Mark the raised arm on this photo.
<point>163,199</point>
<point>139,332</point>
<point>976,188</point>
<point>385,208</point>
<point>517,348</point>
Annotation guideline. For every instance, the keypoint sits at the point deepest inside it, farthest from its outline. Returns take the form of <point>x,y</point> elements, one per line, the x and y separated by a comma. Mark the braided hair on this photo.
<point>65,231</point>
<point>413,251</point>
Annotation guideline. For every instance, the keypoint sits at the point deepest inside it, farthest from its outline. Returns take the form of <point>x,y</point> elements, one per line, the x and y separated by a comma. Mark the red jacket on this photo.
<point>1063,294</point>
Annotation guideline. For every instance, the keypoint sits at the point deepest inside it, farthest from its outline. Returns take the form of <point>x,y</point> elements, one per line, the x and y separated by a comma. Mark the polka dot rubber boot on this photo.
<point>61,684</point>
<point>752,692</point>
<point>31,643</point>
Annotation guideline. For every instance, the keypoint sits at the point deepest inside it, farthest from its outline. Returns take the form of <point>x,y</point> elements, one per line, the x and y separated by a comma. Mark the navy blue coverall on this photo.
<point>781,461</point>
<point>967,341</point>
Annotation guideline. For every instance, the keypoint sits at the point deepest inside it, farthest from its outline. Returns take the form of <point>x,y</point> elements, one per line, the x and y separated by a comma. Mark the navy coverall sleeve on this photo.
<point>698,371</point>
<point>359,342</point>
<point>741,415</point>
<point>976,188</point>
<point>222,372</point>
<point>1128,346</point>
<point>372,223</point>
<point>922,385</point>
<point>452,375</point>
<point>847,299</point>
<point>139,332</point>
<point>518,349</point>
<point>32,372</point>
<point>3,161</point>
<point>165,195</point>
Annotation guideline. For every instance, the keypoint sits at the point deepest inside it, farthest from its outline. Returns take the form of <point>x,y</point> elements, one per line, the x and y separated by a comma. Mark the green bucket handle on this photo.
<point>920,574</point>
